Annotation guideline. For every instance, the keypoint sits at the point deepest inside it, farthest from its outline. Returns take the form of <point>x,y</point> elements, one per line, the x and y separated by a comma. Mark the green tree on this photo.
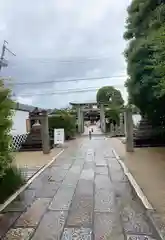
<point>145,57</point>
<point>113,115</point>
<point>109,95</point>
<point>5,126</point>
<point>63,119</point>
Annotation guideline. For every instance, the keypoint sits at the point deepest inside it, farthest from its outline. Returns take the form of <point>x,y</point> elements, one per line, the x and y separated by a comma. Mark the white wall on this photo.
<point>19,122</point>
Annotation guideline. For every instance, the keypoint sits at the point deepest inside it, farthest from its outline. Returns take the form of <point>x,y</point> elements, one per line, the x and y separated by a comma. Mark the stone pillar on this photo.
<point>112,130</point>
<point>80,119</point>
<point>102,118</point>
<point>129,131</point>
<point>45,133</point>
<point>122,130</point>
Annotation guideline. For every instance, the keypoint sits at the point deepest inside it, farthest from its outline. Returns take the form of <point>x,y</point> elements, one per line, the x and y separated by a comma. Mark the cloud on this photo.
<point>24,100</point>
<point>60,39</point>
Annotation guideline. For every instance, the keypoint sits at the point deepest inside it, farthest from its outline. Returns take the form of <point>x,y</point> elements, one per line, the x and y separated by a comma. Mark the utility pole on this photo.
<point>4,48</point>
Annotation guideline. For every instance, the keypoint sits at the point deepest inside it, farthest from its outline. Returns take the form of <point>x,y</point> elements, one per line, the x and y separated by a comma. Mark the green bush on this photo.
<point>63,120</point>
<point>5,126</point>
<point>10,182</point>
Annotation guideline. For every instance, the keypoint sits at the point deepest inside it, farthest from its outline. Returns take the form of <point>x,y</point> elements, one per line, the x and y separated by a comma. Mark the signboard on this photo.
<point>59,136</point>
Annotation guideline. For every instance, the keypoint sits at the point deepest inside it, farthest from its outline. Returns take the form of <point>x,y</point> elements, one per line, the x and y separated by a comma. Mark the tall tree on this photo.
<point>109,95</point>
<point>145,56</point>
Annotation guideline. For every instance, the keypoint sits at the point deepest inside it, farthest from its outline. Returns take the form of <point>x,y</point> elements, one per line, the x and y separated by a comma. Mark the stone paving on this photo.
<point>83,195</point>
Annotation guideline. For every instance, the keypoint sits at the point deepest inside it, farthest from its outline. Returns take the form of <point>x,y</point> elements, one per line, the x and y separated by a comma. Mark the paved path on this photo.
<point>83,195</point>
<point>96,130</point>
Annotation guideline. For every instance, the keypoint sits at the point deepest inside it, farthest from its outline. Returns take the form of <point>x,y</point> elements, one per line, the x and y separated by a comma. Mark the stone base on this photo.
<point>147,136</point>
<point>139,143</point>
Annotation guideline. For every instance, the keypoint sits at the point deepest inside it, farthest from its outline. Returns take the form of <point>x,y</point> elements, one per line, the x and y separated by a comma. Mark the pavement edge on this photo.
<point>21,189</point>
<point>153,217</point>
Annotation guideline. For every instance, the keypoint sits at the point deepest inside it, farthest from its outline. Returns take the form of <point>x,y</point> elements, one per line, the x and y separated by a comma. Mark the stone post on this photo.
<point>129,130</point>
<point>112,130</point>
<point>102,118</point>
<point>122,130</point>
<point>79,113</point>
<point>45,133</point>
<point>82,121</point>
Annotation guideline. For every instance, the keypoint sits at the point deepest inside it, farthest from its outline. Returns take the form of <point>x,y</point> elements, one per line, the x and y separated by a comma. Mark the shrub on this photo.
<point>10,182</point>
<point>5,127</point>
<point>63,120</point>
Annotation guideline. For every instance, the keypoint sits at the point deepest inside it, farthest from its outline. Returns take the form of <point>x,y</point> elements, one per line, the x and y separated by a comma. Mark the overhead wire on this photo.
<point>66,60</point>
<point>59,92</point>
<point>64,80</point>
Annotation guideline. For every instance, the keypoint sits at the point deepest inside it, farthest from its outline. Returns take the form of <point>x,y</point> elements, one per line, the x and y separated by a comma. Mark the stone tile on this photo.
<point>104,201</point>
<point>109,154</point>
<point>71,180</point>
<point>81,212</point>
<point>77,234</point>
<point>103,182</point>
<point>118,176</point>
<point>101,163</point>
<point>107,226</point>
<point>75,170</point>
<point>33,214</point>
<point>7,220</point>
<point>123,190</point>
<point>37,183</point>
<point>40,180</point>
<point>27,196</point>
<point>66,166</point>
<point>57,175</point>
<point>22,201</point>
<point>62,199</point>
<point>133,218</point>
<point>89,165</point>
<point>90,157</point>
<point>51,226</point>
<point>87,174</point>
<point>157,220</point>
<point>115,165</point>
<point>139,237</point>
<point>19,234</point>
<point>16,206</point>
<point>78,164</point>
<point>102,170</point>
<point>85,188</point>
<point>47,190</point>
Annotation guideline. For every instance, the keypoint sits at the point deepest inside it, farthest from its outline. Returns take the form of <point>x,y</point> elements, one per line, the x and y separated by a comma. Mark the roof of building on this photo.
<point>27,108</point>
<point>83,103</point>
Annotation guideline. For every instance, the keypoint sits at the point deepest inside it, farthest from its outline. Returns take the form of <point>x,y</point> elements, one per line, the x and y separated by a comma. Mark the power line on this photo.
<point>67,60</point>
<point>65,91</point>
<point>63,80</point>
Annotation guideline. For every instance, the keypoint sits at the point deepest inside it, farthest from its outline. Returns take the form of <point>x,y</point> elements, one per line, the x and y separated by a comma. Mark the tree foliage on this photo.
<point>63,119</point>
<point>145,56</point>
<point>109,95</point>
<point>5,127</point>
<point>113,116</point>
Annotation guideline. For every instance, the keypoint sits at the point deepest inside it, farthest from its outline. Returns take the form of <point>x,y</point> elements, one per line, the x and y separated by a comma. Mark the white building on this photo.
<point>21,124</point>
<point>20,119</point>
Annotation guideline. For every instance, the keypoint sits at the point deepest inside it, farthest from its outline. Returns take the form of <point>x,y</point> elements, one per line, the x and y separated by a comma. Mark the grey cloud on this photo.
<point>43,32</point>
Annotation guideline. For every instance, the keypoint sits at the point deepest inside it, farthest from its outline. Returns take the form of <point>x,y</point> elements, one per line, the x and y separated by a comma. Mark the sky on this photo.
<point>63,40</point>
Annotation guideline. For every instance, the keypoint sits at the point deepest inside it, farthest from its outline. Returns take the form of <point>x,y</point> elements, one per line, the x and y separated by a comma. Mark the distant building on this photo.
<point>21,124</point>
<point>21,119</point>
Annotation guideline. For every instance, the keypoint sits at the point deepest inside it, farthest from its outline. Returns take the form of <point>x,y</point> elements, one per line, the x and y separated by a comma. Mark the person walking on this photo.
<point>90,134</point>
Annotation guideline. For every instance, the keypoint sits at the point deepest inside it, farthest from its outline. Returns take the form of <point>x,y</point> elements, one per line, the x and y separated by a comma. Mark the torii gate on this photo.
<point>81,109</point>
<point>126,127</point>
